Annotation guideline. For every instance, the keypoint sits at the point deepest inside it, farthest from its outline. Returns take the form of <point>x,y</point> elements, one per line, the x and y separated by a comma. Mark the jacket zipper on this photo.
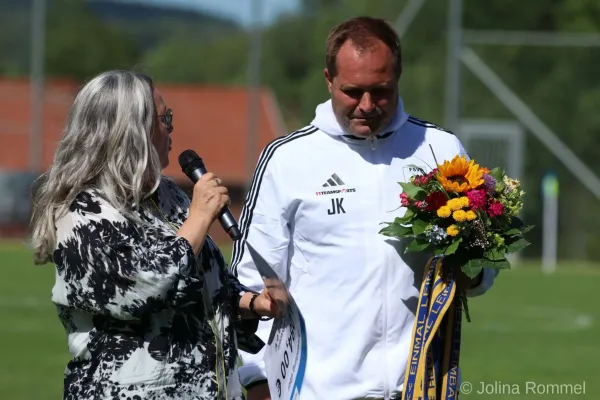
<point>386,389</point>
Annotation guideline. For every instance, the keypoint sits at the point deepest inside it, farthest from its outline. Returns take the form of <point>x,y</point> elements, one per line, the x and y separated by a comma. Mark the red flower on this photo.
<point>477,199</point>
<point>496,209</point>
<point>435,200</point>
<point>420,180</point>
<point>420,204</point>
<point>404,200</point>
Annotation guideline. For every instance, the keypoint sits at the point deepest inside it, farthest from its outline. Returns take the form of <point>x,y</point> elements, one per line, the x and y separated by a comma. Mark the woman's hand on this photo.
<point>208,199</point>
<point>264,306</point>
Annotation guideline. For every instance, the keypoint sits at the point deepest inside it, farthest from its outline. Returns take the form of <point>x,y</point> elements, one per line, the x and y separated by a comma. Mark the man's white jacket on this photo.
<point>318,200</point>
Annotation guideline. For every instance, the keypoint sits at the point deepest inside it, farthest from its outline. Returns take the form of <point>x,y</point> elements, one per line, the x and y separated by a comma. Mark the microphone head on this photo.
<point>189,161</point>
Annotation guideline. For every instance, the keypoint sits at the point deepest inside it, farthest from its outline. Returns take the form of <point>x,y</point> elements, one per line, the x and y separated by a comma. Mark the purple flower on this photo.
<point>489,183</point>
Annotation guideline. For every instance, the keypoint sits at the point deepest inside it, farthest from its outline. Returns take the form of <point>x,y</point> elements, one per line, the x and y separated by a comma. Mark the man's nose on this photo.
<point>366,104</point>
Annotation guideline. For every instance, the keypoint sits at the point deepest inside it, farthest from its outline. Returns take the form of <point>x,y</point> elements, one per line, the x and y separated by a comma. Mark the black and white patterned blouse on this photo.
<point>145,318</point>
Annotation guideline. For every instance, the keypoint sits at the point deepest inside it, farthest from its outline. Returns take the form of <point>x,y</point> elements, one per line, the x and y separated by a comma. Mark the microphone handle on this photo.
<point>225,217</point>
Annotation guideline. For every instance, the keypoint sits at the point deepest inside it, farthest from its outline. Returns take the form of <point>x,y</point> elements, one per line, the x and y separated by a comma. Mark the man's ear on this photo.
<point>328,79</point>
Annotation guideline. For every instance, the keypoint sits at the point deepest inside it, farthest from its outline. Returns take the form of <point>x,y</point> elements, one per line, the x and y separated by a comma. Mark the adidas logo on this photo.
<point>334,181</point>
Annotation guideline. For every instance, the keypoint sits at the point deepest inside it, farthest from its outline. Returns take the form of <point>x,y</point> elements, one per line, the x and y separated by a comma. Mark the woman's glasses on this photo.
<point>167,119</point>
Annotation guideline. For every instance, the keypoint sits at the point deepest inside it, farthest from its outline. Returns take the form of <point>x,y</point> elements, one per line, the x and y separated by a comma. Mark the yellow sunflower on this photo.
<point>460,175</point>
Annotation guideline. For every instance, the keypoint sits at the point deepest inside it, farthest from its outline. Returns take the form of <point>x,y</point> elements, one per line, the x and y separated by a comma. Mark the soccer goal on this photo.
<point>495,143</point>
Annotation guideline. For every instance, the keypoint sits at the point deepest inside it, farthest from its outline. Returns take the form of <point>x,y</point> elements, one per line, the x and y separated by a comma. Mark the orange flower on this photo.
<point>460,175</point>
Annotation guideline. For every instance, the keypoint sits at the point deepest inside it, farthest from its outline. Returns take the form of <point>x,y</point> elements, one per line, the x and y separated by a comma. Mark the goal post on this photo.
<point>495,143</point>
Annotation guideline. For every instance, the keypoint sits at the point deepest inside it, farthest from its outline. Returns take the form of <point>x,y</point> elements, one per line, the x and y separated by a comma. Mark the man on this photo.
<point>316,205</point>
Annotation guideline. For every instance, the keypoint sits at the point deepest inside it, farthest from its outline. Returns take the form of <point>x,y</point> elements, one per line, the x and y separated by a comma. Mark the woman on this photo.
<point>143,292</point>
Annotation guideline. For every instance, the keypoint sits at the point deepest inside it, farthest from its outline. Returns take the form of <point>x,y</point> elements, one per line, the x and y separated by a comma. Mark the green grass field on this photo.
<point>529,328</point>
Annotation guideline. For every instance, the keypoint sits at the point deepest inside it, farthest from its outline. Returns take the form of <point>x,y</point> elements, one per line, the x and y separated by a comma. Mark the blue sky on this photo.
<point>239,10</point>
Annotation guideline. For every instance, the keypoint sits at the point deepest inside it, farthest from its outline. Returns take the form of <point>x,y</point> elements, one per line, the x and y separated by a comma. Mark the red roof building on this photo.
<point>211,120</point>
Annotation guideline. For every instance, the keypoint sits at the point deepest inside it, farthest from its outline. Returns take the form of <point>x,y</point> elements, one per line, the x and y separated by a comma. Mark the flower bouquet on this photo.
<point>467,216</point>
<point>463,210</point>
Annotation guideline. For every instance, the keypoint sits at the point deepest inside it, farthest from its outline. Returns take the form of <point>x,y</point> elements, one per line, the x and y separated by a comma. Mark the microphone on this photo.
<point>192,165</point>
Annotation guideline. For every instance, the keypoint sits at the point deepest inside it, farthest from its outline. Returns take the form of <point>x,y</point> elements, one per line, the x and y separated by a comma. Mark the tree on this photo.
<point>79,45</point>
<point>181,59</point>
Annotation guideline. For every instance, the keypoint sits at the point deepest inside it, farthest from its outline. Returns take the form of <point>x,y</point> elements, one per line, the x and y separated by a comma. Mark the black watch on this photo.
<point>253,311</point>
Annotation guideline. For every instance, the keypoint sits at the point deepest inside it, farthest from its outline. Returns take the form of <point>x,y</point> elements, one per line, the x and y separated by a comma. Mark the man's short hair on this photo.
<point>364,32</point>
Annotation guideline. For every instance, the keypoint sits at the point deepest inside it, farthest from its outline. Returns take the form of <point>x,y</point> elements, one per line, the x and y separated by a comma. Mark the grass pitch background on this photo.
<point>529,328</point>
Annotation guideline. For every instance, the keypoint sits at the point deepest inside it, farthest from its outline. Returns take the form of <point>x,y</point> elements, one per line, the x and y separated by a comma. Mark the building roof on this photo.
<point>211,120</point>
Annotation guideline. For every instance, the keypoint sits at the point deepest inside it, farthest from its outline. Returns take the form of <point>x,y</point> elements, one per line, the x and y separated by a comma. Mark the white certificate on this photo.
<point>285,354</point>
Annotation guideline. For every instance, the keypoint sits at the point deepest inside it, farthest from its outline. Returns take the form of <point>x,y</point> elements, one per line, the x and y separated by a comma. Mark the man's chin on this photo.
<point>362,131</point>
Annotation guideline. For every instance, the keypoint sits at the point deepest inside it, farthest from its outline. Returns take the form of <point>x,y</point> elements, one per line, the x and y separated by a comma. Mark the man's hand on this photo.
<point>463,282</point>
<point>259,392</point>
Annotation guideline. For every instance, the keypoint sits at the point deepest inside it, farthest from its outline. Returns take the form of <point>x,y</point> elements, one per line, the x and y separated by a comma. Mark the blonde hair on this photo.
<point>107,145</point>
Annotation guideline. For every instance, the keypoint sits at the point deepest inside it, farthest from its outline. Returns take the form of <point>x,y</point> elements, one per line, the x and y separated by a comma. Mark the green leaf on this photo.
<point>439,251</point>
<point>495,255</point>
<point>407,218</point>
<point>417,245</point>
<point>408,187</point>
<point>396,230</point>
<point>504,264</point>
<point>412,191</point>
<point>500,264</point>
<point>453,247</point>
<point>512,232</point>
<point>419,226</point>
<point>527,228</point>
<point>473,267</point>
<point>517,224</point>
<point>517,246</point>
<point>497,173</point>
<point>409,213</point>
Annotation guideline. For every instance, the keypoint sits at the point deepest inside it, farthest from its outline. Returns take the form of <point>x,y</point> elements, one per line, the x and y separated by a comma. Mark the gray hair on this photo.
<point>107,145</point>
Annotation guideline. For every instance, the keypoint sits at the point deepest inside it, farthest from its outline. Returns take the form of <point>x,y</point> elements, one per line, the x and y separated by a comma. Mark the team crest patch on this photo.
<point>410,170</point>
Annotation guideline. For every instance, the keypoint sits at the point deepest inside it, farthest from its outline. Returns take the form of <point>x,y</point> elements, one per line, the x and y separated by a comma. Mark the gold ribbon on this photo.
<point>432,368</point>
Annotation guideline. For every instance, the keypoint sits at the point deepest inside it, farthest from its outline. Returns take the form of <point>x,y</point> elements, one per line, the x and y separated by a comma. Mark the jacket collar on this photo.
<point>326,121</point>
